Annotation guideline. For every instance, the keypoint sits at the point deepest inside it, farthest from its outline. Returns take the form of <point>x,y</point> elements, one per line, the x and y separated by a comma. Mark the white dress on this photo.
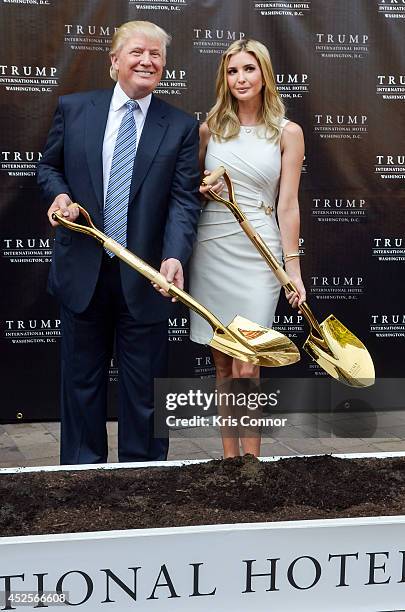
<point>227,273</point>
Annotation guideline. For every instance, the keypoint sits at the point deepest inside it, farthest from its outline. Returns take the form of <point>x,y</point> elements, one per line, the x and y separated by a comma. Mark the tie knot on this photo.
<point>131,105</point>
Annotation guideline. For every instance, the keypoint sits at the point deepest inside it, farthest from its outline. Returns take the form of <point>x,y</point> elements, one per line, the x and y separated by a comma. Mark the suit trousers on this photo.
<point>87,347</point>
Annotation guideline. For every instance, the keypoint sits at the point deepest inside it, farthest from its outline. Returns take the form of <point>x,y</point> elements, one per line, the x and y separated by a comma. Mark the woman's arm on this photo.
<point>292,156</point>
<point>204,138</point>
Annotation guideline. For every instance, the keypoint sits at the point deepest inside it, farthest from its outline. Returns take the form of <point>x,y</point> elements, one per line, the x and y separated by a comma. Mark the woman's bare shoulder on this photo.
<point>204,132</point>
<point>292,139</point>
<point>292,128</point>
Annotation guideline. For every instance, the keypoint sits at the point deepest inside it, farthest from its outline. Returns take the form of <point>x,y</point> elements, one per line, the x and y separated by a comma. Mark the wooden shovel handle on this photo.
<point>212,178</point>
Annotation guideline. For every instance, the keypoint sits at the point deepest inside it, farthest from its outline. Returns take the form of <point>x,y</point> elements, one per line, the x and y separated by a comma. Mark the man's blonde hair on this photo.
<point>131,28</point>
<point>223,121</point>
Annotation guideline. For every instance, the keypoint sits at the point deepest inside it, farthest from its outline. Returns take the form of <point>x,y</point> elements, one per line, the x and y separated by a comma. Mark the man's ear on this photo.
<point>114,61</point>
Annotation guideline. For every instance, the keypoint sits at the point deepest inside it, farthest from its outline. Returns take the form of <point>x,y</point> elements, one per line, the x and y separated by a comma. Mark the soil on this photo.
<point>217,492</point>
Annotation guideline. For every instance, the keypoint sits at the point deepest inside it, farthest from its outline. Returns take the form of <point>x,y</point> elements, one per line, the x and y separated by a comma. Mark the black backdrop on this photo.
<point>340,70</point>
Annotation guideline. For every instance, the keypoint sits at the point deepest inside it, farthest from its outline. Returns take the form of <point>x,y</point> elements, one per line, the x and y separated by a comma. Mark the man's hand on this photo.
<point>172,270</point>
<point>61,202</point>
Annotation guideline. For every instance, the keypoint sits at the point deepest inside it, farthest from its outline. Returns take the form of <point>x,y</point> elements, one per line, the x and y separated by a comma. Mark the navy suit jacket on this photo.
<point>163,205</point>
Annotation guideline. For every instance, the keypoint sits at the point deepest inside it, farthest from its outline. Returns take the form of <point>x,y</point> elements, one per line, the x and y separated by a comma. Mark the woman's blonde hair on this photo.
<point>131,28</point>
<point>223,121</point>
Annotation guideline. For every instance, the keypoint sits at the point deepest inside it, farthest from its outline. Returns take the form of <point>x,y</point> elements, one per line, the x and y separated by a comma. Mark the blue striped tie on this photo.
<point>116,202</point>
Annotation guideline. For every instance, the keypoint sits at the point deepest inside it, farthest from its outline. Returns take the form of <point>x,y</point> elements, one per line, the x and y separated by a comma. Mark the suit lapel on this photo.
<point>152,134</point>
<point>96,120</point>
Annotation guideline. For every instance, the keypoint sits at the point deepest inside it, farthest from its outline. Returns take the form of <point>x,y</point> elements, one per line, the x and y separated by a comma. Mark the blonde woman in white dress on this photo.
<point>263,152</point>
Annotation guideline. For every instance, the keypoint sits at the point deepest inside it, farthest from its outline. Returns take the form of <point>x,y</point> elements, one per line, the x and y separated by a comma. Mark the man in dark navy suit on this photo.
<point>132,161</point>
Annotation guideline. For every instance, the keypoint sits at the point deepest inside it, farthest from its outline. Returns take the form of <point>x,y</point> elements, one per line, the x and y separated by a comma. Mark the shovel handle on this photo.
<point>113,246</point>
<point>89,229</point>
<point>212,178</point>
<point>156,277</point>
<point>258,242</point>
<point>139,265</point>
<point>279,272</point>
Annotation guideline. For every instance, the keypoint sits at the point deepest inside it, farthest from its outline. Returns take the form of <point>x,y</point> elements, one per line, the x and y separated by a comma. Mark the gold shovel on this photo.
<point>242,338</point>
<point>330,343</point>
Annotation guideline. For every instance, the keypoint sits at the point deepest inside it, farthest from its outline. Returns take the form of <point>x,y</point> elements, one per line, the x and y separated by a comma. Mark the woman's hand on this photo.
<point>295,298</point>
<point>218,187</point>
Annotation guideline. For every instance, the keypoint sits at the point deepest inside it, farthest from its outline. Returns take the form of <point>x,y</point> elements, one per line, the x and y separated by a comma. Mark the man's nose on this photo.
<point>145,59</point>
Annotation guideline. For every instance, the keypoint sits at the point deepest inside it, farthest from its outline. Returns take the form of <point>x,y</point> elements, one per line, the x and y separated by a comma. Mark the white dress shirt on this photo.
<point>115,115</point>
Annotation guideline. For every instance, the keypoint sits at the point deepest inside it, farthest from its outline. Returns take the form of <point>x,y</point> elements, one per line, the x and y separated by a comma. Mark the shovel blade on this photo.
<point>255,344</point>
<point>341,354</point>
